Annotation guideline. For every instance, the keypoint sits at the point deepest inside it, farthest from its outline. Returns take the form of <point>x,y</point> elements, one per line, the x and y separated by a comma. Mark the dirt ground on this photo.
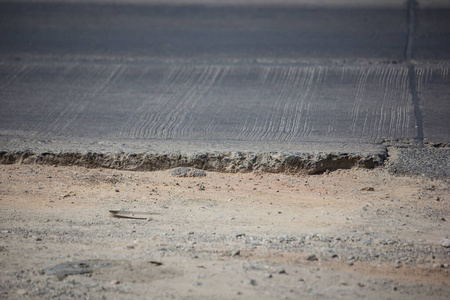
<point>359,234</point>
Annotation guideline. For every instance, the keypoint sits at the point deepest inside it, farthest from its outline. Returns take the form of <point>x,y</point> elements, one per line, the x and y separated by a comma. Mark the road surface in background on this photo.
<point>247,76</point>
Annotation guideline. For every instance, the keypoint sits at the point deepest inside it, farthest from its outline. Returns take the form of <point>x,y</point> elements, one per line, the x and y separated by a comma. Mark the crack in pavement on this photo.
<point>411,21</point>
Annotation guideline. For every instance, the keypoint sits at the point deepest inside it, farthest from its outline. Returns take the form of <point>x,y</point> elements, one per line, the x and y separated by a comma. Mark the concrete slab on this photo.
<point>432,36</point>
<point>433,89</point>
<point>201,32</point>
<point>213,102</point>
<point>181,77</point>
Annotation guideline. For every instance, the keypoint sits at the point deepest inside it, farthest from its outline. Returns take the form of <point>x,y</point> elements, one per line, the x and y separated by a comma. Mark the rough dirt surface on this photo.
<point>346,234</point>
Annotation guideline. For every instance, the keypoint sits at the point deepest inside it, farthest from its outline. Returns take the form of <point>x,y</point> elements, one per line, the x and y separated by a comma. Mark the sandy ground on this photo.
<point>345,234</point>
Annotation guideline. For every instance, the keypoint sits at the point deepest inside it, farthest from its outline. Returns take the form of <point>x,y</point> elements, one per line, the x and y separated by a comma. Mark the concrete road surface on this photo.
<point>307,76</point>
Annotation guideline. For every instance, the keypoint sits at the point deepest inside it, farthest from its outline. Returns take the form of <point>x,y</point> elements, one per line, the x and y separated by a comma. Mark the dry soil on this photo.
<point>346,234</point>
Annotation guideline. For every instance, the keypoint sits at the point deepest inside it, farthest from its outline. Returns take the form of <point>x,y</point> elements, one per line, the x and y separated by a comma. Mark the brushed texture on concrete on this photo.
<point>245,103</point>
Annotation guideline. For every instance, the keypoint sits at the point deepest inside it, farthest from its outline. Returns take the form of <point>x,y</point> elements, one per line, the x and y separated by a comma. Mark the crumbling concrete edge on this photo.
<point>231,162</point>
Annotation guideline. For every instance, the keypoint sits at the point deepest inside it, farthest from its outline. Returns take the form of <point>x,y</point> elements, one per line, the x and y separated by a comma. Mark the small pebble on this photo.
<point>21,292</point>
<point>187,172</point>
<point>312,257</point>
<point>445,243</point>
<point>60,277</point>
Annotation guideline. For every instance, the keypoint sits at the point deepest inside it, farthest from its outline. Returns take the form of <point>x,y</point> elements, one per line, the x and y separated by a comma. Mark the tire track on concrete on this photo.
<point>275,122</point>
<point>388,111</point>
<point>10,103</point>
<point>52,98</point>
<point>48,110</point>
<point>12,76</point>
<point>139,121</point>
<point>97,92</point>
<point>163,103</point>
<point>247,129</point>
<point>361,82</point>
<point>395,111</point>
<point>286,116</point>
<point>12,73</point>
<point>171,111</point>
<point>74,111</point>
<point>292,115</point>
<point>286,103</point>
<point>188,77</point>
<point>296,109</point>
<point>393,88</point>
<point>301,90</point>
<point>316,81</point>
<point>212,129</point>
<point>432,84</point>
<point>268,121</point>
<point>188,98</point>
<point>199,102</point>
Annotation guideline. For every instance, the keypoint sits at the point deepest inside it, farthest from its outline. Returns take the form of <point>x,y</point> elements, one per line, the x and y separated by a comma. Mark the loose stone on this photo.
<point>445,243</point>
<point>312,257</point>
<point>187,172</point>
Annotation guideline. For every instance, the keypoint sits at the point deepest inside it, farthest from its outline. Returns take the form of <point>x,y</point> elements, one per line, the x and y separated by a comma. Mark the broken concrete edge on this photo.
<point>231,162</point>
